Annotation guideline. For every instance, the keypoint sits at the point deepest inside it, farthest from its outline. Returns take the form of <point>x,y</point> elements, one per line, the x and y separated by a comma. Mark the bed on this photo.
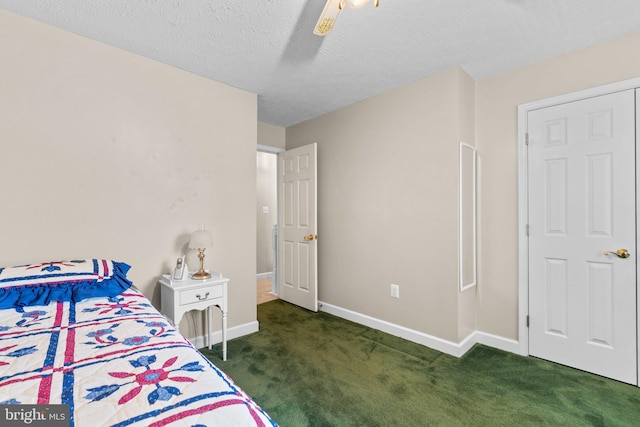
<point>77,333</point>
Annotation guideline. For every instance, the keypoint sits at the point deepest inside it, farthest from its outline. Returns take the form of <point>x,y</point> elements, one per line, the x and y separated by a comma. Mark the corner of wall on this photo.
<point>467,300</point>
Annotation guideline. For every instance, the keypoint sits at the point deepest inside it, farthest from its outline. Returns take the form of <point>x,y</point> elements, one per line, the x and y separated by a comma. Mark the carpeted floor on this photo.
<point>315,369</point>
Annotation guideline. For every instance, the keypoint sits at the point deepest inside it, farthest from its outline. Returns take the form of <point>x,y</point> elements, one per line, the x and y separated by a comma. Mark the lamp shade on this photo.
<point>200,239</point>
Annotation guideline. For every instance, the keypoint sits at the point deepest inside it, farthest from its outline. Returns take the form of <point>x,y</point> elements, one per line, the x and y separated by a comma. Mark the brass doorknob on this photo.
<point>620,253</point>
<point>311,237</point>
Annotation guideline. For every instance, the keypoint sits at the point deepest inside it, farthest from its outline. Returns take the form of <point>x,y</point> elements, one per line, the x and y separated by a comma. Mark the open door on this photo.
<point>298,233</point>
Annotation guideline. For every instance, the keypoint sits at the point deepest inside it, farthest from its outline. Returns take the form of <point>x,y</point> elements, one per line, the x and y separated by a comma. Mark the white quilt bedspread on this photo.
<point>117,362</point>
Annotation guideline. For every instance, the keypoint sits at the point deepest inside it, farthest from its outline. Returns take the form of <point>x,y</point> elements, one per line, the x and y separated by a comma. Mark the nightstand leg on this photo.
<point>224,335</point>
<point>209,327</point>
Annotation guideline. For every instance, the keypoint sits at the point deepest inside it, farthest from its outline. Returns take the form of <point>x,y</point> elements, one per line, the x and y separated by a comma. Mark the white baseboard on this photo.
<point>445,346</point>
<point>268,275</point>
<point>495,341</point>
<point>234,332</point>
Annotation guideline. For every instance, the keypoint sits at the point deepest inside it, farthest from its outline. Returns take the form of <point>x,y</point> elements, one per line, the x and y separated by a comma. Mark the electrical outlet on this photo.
<point>395,291</point>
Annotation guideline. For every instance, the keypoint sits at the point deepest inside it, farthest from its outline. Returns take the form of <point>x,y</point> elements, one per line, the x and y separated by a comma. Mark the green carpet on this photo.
<point>315,369</point>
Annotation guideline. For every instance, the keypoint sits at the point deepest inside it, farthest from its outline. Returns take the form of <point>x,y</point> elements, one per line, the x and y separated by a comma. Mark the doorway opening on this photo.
<point>266,223</point>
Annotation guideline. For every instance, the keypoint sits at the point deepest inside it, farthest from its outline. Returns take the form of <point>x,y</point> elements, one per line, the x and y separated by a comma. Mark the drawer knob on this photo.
<point>202,298</point>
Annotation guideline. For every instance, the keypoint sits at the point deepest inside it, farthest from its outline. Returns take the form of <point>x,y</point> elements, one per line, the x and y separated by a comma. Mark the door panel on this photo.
<point>297,207</point>
<point>556,288</point>
<point>582,303</point>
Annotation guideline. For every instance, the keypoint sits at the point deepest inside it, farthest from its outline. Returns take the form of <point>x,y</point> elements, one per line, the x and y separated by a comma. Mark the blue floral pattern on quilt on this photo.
<point>149,378</point>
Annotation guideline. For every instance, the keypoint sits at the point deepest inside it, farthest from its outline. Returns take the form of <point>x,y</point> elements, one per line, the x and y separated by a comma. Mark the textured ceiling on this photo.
<point>267,46</point>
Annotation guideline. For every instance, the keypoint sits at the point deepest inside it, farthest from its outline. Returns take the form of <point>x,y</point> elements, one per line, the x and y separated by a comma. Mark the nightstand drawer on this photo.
<point>193,296</point>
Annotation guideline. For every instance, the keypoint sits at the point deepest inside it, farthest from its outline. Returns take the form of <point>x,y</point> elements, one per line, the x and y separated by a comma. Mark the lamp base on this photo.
<point>201,275</point>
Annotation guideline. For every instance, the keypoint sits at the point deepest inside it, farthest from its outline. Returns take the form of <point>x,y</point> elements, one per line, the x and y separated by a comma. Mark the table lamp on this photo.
<point>201,240</point>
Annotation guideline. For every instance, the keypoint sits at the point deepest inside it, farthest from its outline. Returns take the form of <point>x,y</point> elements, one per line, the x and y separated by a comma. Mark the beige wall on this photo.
<point>388,204</point>
<point>109,154</point>
<point>496,135</point>
<point>271,135</point>
<point>387,195</point>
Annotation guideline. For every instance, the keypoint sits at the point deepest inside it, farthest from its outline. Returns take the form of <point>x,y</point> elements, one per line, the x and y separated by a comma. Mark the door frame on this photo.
<point>523,206</point>
<point>275,151</point>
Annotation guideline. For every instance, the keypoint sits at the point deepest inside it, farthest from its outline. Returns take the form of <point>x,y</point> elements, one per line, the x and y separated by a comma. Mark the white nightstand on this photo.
<point>180,296</point>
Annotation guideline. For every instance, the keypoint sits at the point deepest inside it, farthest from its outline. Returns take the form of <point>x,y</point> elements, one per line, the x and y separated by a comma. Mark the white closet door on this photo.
<point>582,303</point>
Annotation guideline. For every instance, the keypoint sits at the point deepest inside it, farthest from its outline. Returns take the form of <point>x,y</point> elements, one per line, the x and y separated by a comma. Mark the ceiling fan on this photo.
<point>331,11</point>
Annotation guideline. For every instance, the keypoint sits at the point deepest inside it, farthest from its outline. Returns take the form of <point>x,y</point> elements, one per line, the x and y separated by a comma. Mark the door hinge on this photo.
<point>527,320</point>
<point>526,138</point>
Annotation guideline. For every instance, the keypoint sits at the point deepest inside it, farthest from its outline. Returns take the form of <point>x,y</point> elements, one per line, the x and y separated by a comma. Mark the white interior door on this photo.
<point>582,203</point>
<point>297,223</point>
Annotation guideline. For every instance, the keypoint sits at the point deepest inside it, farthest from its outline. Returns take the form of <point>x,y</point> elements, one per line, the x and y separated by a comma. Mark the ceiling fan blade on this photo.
<point>328,17</point>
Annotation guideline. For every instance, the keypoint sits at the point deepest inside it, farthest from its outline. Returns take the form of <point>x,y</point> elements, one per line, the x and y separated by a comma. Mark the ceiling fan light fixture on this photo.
<point>331,11</point>
<point>328,17</point>
<point>355,4</point>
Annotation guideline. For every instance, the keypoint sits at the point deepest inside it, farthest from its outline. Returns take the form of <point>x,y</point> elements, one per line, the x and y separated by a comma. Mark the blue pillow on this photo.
<point>75,280</point>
